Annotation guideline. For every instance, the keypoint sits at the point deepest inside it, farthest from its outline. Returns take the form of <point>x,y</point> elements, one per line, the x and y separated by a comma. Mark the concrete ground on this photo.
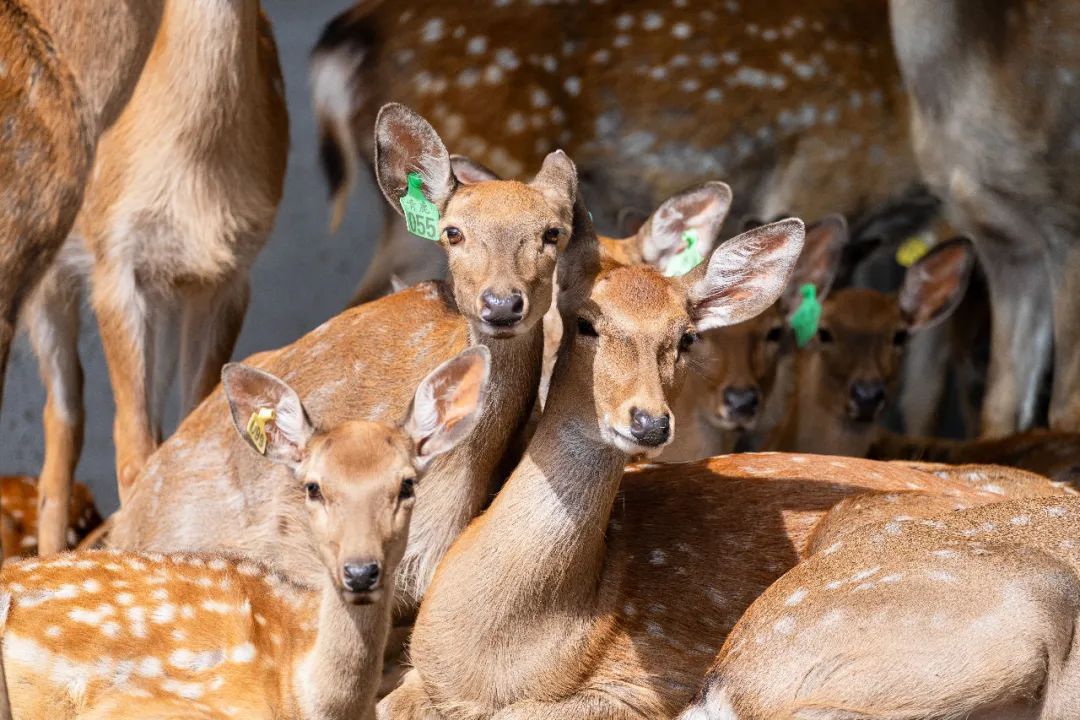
<point>302,277</point>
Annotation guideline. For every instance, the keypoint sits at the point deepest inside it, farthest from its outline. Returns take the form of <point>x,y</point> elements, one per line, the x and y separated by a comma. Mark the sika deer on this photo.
<point>966,615</point>
<point>19,501</point>
<point>575,596</point>
<point>846,375</point>
<point>167,236</point>
<point>805,109</point>
<point>503,239</point>
<point>994,102</point>
<point>115,634</point>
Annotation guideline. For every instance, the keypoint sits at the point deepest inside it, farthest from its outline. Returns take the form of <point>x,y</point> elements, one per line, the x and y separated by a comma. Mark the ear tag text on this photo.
<point>256,427</point>
<point>912,250</point>
<point>421,215</point>
<point>687,259</point>
<point>804,321</point>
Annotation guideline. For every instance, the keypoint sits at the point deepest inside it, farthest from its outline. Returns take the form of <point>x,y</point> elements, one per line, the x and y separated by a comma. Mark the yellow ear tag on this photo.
<point>256,427</point>
<point>911,250</point>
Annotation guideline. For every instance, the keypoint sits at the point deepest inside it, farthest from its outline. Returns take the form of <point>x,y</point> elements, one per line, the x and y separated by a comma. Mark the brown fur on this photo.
<point>803,100</point>
<point>19,501</point>
<point>963,615</point>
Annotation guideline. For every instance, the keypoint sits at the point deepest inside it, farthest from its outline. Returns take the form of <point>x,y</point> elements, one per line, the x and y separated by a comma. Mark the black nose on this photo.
<point>648,429</point>
<point>502,310</point>
<point>867,398</point>
<point>361,577</point>
<point>741,402</point>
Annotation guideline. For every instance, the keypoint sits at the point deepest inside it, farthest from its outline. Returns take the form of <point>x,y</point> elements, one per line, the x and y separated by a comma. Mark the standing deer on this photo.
<point>201,491</point>
<point>803,101</point>
<point>966,615</point>
<point>994,97</point>
<point>583,594</point>
<point>166,237</point>
<point>116,634</point>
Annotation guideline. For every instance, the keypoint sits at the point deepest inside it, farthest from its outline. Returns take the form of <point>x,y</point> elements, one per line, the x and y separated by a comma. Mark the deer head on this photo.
<point>502,237</point>
<point>356,482</point>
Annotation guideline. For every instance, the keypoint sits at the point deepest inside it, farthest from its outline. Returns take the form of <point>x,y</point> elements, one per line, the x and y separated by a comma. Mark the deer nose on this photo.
<point>867,399</point>
<point>502,310</point>
<point>651,430</point>
<point>741,402</point>
<point>361,577</point>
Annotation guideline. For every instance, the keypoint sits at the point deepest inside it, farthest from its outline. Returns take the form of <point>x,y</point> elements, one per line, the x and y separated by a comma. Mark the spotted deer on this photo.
<point>166,239</point>
<point>1008,70</point>
<point>19,502</point>
<point>846,374</point>
<point>503,240</point>
<point>556,602</point>
<point>804,103</point>
<point>969,614</point>
<point>46,142</point>
<point>121,634</point>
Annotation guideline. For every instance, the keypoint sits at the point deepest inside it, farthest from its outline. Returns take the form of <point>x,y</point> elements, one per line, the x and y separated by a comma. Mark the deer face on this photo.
<point>632,334</point>
<point>353,485</point>
<point>502,238</point>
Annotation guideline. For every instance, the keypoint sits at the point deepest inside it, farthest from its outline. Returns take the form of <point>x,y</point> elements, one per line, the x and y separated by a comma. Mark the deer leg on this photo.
<point>210,327</point>
<point>1020,335</point>
<point>925,367</point>
<point>164,328</point>
<point>409,702</point>
<point>52,316</point>
<point>1065,399</point>
<point>121,307</point>
<point>399,253</point>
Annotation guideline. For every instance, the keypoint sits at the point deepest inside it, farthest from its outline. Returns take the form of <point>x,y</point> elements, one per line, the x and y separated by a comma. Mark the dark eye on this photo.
<point>824,335</point>
<point>453,235</point>
<point>314,492</point>
<point>584,327</point>
<point>551,235</point>
<point>688,339</point>
<point>774,334</point>
<point>900,338</point>
<point>408,489</point>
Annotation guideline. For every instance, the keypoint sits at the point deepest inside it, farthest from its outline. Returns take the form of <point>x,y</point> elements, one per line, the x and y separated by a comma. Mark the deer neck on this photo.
<point>339,673</point>
<point>534,559</point>
<point>469,474</point>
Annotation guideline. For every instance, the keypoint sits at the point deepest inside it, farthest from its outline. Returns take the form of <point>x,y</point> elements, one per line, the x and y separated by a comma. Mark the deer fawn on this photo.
<point>506,97</point>
<point>1010,73</point>
<point>503,239</point>
<point>167,237</point>
<point>847,373</point>
<point>19,501</point>
<point>969,615</point>
<point>116,634</point>
<point>577,595</point>
<point>46,147</point>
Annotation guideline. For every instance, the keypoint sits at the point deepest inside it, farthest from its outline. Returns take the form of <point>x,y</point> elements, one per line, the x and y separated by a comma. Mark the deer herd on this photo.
<point>536,471</point>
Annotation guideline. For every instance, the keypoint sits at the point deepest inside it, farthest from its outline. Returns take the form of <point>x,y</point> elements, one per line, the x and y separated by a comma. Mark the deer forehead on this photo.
<point>860,310</point>
<point>640,301</point>
<point>504,203</point>
<point>359,452</point>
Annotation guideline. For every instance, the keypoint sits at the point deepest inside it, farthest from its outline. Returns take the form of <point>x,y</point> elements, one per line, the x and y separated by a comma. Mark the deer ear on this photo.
<point>700,210</point>
<point>406,143</point>
<point>819,262</point>
<point>267,413</point>
<point>936,284</point>
<point>745,274</point>
<point>557,180</point>
<point>469,171</point>
<point>447,403</point>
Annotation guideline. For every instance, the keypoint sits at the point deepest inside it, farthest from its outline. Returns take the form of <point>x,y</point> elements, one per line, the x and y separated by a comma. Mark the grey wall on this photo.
<point>302,277</point>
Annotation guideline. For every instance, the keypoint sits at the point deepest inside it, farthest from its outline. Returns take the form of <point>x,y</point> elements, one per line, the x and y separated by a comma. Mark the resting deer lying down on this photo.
<point>581,593</point>
<point>964,615</point>
<point>110,634</point>
<point>19,501</point>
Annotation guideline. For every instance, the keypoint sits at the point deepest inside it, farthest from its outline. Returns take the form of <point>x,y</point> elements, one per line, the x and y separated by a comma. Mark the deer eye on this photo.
<point>408,489</point>
<point>314,492</point>
<point>774,334</point>
<point>551,236</point>
<point>688,339</point>
<point>825,335</point>
<point>453,235</point>
<point>899,338</point>
<point>584,327</point>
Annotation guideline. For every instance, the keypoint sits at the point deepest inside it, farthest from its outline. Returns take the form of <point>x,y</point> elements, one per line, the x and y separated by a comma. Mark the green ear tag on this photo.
<point>421,215</point>
<point>687,259</point>
<point>804,321</point>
